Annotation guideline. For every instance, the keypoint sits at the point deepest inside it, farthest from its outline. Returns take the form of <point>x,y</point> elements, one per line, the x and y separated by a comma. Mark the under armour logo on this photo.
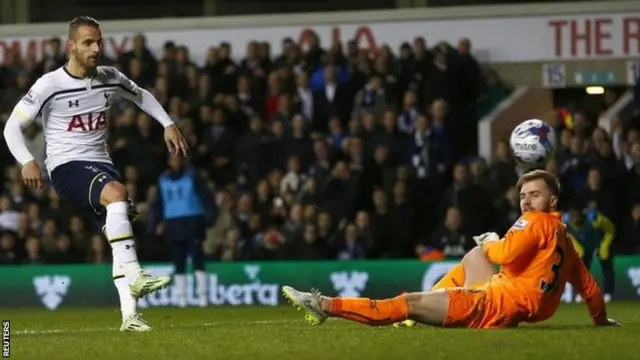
<point>92,168</point>
<point>106,98</point>
<point>128,247</point>
<point>74,103</point>
<point>102,178</point>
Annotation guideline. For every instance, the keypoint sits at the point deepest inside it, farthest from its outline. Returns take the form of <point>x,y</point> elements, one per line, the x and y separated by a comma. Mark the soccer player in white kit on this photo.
<point>73,101</point>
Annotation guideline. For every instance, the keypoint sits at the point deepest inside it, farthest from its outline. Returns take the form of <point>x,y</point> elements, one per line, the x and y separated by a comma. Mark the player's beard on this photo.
<point>527,208</point>
<point>89,62</point>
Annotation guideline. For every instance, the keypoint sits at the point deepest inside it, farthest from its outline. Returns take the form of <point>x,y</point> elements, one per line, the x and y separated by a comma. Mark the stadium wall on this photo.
<point>534,35</point>
<point>234,284</point>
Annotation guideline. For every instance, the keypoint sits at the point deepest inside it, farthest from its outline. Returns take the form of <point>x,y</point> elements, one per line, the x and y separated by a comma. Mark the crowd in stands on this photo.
<point>313,154</point>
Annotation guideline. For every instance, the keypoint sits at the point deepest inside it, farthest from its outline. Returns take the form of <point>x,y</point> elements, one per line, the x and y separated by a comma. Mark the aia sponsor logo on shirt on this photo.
<point>87,122</point>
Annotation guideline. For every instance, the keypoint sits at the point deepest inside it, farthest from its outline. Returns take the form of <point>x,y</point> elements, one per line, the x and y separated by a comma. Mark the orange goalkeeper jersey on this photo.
<point>536,260</point>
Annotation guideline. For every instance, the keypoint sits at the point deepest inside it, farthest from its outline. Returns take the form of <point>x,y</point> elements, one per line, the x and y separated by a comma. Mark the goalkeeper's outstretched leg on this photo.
<point>429,308</point>
<point>481,308</point>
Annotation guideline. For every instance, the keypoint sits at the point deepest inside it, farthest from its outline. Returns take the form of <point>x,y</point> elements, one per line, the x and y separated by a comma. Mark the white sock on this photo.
<point>180,289</point>
<point>201,283</point>
<point>128,305</point>
<point>120,235</point>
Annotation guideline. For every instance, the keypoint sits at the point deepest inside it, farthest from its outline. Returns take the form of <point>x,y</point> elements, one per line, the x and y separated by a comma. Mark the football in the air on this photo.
<point>533,143</point>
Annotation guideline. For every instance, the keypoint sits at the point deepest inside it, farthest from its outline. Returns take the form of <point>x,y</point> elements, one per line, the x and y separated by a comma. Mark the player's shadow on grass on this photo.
<point>556,327</point>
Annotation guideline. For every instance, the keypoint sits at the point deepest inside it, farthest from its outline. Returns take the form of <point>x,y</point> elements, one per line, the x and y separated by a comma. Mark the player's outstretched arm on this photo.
<point>22,116</point>
<point>176,143</point>
<point>584,283</point>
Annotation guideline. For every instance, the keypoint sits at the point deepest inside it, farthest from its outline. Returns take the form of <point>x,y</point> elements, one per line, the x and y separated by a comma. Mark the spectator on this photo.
<point>293,178</point>
<point>331,99</point>
<point>9,249</point>
<point>630,235</point>
<point>507,210</point>
<point>468,198</point>
<point>233,248</point>
<point>502,170</point>
<point>352,249</point>
<point>97,253</point>
<point>33,253</point>
<point>54,58</point>
<point>450,238</point>
<point>409,113</point>
<point>371,98</point>
<point>495,92</point>
<point>8,216</point>
<point>309,246</point>
<point>603,198</point>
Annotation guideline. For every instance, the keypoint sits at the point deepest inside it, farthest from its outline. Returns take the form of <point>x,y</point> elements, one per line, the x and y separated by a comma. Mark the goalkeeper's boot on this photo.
<point>147,284</point>
<point>307,301</point>
<point>135,323</point>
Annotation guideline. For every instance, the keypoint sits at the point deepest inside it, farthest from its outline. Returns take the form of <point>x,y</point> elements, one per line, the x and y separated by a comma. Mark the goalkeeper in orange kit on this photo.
<point>536,261</point>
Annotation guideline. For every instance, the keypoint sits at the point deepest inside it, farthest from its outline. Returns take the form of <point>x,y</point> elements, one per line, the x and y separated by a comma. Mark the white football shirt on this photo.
<point>74,112</point>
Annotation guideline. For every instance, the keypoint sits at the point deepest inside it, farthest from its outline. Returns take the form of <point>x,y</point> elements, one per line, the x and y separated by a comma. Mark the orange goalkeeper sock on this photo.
<point>371,312</point>
<point>454,278</point>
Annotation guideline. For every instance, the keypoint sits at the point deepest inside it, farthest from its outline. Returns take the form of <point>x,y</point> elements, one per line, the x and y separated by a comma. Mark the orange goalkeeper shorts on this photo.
<point>480,308</point>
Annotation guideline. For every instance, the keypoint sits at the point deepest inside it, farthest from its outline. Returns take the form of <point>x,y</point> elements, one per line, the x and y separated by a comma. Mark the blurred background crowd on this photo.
<point>327,153</point>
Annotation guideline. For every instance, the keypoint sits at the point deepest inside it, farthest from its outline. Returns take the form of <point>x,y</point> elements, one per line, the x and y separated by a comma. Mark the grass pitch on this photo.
<point>281,333</point>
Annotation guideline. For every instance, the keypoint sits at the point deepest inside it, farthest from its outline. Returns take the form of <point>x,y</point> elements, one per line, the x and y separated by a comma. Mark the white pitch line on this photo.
<point>27,332</point>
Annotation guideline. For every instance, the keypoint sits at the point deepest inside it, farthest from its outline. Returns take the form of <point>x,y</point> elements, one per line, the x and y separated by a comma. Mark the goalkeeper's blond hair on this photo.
<point>549,179</point>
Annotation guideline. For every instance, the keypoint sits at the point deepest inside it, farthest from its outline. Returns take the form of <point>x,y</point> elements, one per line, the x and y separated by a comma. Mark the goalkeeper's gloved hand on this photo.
<point>490,236</point>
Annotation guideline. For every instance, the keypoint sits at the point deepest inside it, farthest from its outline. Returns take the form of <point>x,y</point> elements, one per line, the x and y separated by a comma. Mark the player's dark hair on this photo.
<point>81,21</point>
<point>551,181</point>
